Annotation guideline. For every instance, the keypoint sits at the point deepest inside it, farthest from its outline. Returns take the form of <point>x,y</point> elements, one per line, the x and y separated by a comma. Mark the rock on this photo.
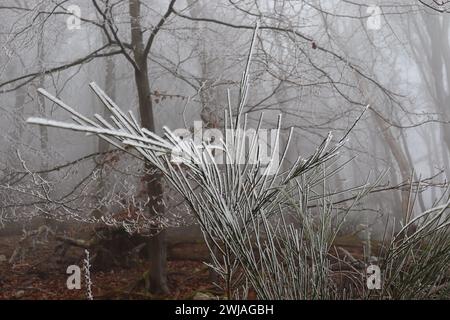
<point>2,258</point>
<point>19,294</point>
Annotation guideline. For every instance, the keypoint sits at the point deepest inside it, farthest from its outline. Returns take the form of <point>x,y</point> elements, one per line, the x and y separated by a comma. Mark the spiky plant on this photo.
<point>241,205</point>
<point>416,262</point>
<point>234,202</point>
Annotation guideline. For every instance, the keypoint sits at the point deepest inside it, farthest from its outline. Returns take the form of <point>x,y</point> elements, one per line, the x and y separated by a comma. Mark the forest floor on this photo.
<point>39,275</point>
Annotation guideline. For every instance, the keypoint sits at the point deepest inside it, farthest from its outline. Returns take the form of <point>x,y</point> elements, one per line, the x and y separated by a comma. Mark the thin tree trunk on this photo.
<point>402,163</point>
<point>43,130</point>
<point>110,90</point>
<point>157,243</point>
<point>17,133</point>
<point>398,155</point>
<point>410,160</point>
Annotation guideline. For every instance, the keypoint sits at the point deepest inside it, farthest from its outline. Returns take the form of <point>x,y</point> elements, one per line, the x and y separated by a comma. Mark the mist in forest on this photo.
<point>350,104</point>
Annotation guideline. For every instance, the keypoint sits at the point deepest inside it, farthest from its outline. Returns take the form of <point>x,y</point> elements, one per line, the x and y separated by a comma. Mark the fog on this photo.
<point>376,74</point>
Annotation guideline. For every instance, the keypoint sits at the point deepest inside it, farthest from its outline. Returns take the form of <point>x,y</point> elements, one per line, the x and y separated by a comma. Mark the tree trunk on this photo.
<point>434,37</point>
<point>17,133</point>
<point>397,153</point>
<point>402,164</point>
<point>157,244</point>
<point>110,90</point>
<point>43,130</point>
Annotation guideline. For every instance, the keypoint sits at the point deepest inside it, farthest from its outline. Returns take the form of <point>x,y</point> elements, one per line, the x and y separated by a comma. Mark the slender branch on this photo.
<point>31,76</point>
<point>114,30</point>
<point>296,33</point>
<point>158,27</point>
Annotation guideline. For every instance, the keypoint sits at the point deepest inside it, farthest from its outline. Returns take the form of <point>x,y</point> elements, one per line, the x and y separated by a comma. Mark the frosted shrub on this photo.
<point>243,206</point>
